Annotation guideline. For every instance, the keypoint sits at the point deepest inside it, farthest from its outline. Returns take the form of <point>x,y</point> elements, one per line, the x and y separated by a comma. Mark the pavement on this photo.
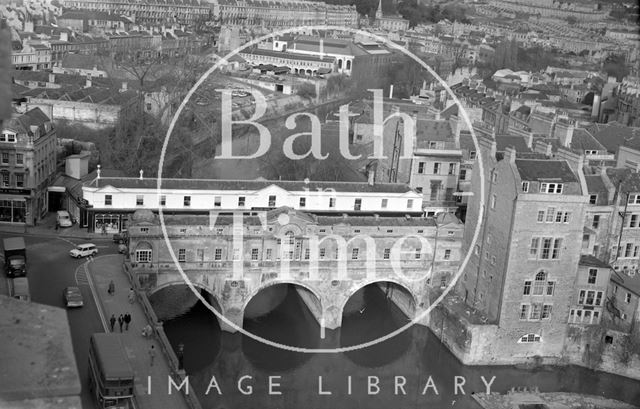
<point>47,227</point>
<point>101,271</point>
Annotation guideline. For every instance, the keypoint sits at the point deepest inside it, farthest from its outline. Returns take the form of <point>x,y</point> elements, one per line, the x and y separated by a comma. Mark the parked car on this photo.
<point>72,297</point>
<point>64,219</point>
<point>84,250</point>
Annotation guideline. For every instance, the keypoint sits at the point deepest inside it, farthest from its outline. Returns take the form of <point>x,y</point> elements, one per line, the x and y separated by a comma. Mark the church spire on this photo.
<point>379,11</point>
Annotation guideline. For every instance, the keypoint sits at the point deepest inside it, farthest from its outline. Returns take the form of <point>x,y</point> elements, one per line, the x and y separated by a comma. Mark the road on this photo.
<point>50,270</point>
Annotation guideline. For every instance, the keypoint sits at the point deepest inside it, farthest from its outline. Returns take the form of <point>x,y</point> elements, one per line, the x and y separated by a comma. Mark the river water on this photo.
<point>408,369</point>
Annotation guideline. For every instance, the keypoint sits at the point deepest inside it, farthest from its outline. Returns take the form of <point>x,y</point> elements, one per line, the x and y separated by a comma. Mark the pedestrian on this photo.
<point>132,296</point>
<point>112,288</point>
<point>127,320</point>
<point>120,321</point>
<point>104,229</point>
<point>112,321</point>
<point>152,354</point>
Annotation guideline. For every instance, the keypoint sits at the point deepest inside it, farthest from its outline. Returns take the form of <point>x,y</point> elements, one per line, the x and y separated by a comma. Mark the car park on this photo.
<point>72,297</point>
<point>84,250</point>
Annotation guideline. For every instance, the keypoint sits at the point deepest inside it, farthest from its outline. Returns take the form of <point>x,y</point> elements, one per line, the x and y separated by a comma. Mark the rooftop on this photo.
<point>545,170</point>
<point>630,281</point>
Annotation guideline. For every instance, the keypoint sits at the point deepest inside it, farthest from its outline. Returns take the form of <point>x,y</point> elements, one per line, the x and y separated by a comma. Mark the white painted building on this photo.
<point>112,200</point>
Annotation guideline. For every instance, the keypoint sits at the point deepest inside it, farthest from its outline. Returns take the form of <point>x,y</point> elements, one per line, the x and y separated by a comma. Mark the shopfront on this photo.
<point>15,206</point>
<point>109,223</point>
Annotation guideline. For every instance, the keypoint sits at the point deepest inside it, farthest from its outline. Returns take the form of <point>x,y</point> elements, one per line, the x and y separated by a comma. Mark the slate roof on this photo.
<point>432,130</point>
<point>596,186</point>
<point>22,124</point>
<point>516,142</point>
<point>545,170</point>
<point>250,185</point>
<point>626,179</point>
<point>591,261</point>
<point>582,140</point>
<point>631,283</point>
<point>613,135</point>
<point>81,61</point>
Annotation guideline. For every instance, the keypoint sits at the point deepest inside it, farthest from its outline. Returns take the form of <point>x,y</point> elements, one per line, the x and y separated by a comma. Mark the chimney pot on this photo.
<point>141,174</point>
<point>98,172</point>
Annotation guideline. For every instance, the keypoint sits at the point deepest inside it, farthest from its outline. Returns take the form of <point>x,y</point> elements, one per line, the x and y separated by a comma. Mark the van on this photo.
<point>84,250</point>
<point>64,219</point>
<point>19,288</point>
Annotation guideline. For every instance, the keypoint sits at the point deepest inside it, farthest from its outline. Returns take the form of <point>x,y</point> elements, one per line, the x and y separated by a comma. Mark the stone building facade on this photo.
<point>234,256</point>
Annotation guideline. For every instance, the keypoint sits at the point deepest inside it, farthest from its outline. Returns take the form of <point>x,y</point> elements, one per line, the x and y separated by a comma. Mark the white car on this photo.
<point>84,250</point>
<point>63,219</point>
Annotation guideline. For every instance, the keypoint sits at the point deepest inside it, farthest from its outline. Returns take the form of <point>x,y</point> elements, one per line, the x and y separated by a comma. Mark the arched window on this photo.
<point>340,64</point>
<point>539,283</point>
<point>529,338</point>
<point>348,64</point>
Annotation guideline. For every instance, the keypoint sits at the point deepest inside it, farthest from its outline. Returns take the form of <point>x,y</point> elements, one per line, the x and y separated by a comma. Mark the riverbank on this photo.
<point>550,400</point>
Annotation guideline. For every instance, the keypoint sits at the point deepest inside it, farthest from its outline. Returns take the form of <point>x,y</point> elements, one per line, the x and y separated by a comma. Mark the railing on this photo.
<point>178,375</point>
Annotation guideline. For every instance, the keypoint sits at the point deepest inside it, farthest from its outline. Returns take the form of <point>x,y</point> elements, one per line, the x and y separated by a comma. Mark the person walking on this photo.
<point>132,296</point>
<point>112,288</point>
<point>152,354</point>
<point>120,321</point>
<point>127,321</point>
<point>112,321</point>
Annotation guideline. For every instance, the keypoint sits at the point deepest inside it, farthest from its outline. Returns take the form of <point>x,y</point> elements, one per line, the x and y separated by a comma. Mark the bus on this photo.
<point>111,378</point>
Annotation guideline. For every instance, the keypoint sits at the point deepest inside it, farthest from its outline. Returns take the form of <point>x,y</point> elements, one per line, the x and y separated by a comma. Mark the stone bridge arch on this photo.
<point>408,299</point>
<point>174,298</point>
<point>309,295</point>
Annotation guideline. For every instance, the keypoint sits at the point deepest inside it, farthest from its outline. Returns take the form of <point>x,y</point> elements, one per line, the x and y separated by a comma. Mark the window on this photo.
<point>254,254</point>
<point>524,312</point>
<point>525,186</point>
<point>567,217</point>
<point>633,221</point>
<point>527,288</point>
<point>447,254</point>
<point>593,199</point>
<point>596,221</point>
<point>241,201</point>
<point>323,251</point>
<point>307,253</point>
<point>443,281</point>
<point>590,297</point>
<point>546,248</point>
<point>529,338</point>
<point>187,201</point>
<point>628,249</point>
<point>551,286</point>
<point>354,254</point>
<point>627,298</point>
<point>550,214</point>
<point>472,155</point>
<point>419,189</point>
<point>143,256</point>
<point>421,167</point>
<point>272,201</point>
<point>593,275</point>
<point>163,200</point>
<point>536,310</point>
<point>357,205</point>
<point>557,244</point>
<point>303,202</point>
<point>268,255</point>
<point>553,188</point>
<point>19,159</point>
<point>409,204</point>
<point>436,168</point>
<point>539,283</point>
<point>19,180</point>
<point>5,158</point>
<point>452,168</point>
<point>387,253</point>
<point>108,200</point>
<point>559,217</point>
<point>217,201</point>
<point>332,202</point>
<point>533,249</point>
<point>144,230</point>
<point>217,255</point>
<point>182,255</point>
<point>417,254</point>
<point>139,200</point>
<point>384,203</point>
<point>546,311</point>
<point>634,199</point>
<point>463,174</point>
<point>540,216</point>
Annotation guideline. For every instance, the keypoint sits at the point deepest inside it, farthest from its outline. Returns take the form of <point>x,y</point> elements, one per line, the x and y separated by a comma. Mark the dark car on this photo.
<point>72,297</point>
<point>121,237</point>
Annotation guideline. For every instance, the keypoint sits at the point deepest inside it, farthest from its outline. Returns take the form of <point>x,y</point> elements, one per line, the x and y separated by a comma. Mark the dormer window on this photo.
<point>8,137</point>
<point>525,186</point>
<point>553,188</point>
<point>634,199</point>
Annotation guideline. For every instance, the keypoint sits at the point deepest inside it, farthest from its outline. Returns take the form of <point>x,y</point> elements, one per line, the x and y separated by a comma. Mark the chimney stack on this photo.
<point>98,172</point>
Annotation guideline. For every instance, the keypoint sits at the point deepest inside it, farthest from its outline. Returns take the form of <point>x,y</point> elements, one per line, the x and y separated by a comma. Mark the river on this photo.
<point>411,370</point>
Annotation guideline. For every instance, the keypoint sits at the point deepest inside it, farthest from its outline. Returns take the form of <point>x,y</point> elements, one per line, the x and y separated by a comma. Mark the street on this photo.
<point>50,270</point>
